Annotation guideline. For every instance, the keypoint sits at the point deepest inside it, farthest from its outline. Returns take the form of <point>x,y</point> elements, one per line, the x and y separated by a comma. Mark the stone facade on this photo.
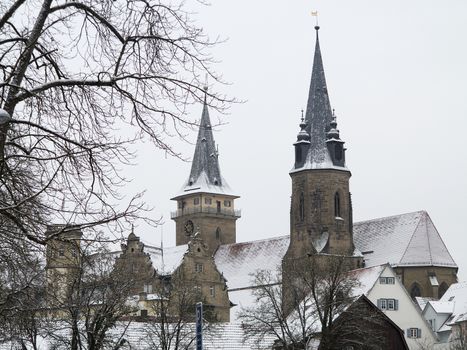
<point>212,215</point>
<point>321,213</point>
<point>426,281</point>
<point>62,262</point>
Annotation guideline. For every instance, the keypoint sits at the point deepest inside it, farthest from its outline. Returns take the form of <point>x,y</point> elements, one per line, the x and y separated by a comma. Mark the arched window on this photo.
<point>443,287</point>
<point>415,291</point>
<point>218,233</point>
<point>337,205</point>
<point>301,208</point>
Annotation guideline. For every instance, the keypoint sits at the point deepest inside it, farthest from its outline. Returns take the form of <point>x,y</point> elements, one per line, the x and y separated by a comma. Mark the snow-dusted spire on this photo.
<point>318,117</point>
<point>205,159</point>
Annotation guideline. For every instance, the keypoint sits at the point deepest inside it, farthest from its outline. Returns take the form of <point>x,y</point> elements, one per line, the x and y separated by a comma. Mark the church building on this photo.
<point>321,221</point>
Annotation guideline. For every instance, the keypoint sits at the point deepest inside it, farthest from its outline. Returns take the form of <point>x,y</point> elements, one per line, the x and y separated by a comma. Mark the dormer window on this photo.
<point>337,205</point>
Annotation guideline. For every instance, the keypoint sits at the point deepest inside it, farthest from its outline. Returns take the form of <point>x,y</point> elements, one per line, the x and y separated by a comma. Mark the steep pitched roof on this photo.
<point>238,261</point>
<point>402,240</point>
<point>205,174</point>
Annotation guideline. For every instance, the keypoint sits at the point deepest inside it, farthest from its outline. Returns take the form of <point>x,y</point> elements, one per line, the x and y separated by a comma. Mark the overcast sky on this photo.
<point>397,77</point>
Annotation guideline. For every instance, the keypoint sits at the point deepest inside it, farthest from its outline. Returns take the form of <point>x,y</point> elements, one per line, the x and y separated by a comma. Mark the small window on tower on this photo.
<point>227,203</point>
<point>196,201</point>
<point>218,233</point>
<point>337,205</point>
<point>301,208</point>
<point>207,200</point>
<point>338,151</point>
<point>298,154</point>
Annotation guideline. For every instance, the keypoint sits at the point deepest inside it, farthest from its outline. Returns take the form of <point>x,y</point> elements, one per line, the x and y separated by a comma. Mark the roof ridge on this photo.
<point>410,241</point>
<point>391,216</point>
<point>441,238</point>
<point>428,238</point>
<point>257,240</point>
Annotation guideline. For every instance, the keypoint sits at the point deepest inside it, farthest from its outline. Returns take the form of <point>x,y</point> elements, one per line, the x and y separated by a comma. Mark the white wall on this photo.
<point>408,314</point>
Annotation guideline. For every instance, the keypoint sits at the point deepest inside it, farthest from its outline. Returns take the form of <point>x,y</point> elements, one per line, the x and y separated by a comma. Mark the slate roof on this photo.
<point>238,261</point>
<point>318,117</point>
<point>402,240</point>
<point>205,175</point>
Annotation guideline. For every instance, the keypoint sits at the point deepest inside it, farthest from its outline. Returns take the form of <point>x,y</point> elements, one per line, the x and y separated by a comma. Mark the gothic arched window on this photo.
<point>443,287</point>
<point>301,208</point>
<point>337,205</point>
<point>415,291</point>
<point>218,233</point>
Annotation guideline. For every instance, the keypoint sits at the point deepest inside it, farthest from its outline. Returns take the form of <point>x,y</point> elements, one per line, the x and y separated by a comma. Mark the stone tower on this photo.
<point>206,203</point>
<point>63,262</point>
<point>321,208</point>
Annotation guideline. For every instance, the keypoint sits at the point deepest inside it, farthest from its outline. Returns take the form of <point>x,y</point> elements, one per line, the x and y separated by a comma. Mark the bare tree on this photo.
<point>171,326</point>
<point>319,291</point>
<point>94,297</point>
<point>458,339</point>
<point>73,74</point>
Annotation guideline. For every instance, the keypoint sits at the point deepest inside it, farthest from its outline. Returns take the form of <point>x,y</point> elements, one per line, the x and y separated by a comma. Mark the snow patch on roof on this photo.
<point>367,277</point>
<point>402,240</point>
<point>442,307</point>
<point>203,185</point>
<point>167,262</point>
<point>457,294</point>
<point>239,261</point>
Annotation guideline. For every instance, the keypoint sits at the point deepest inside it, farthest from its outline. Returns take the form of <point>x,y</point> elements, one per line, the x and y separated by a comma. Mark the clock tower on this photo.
<point>205,204</point>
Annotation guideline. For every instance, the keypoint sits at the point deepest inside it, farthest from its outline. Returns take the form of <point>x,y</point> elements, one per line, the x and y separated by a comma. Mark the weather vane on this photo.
<point>315,14</point>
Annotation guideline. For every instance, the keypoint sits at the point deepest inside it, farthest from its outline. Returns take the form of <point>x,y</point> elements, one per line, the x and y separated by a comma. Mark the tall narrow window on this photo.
<point>218,233</point>
<point>301,208</point>
<point>337,205</point>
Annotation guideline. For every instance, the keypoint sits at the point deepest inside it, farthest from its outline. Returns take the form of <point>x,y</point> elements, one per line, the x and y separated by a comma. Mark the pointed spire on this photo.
<point>205,159</point>
<point>318,112</point>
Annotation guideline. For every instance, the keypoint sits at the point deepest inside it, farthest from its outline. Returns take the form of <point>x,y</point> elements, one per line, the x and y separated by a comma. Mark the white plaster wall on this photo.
<point>408,314</point>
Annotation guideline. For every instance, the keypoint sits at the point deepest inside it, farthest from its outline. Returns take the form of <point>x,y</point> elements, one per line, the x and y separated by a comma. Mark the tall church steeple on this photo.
<point>318,118</point>
<point>206,202</point>
<point>321,213</point>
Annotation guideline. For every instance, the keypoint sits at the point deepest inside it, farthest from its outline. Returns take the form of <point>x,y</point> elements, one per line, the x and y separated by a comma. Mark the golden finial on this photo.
<point>315,14</point>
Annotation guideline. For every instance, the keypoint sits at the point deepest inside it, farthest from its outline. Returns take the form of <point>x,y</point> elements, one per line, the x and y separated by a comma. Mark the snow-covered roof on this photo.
<point>167,261</point>
<point>422,301</point>
<point>457,295</point>
<point>442,307</point>
<point>142,336</point>
<point>402,240</point>
<point>239,261</point>
<point>367,277</point>
<point>203,185</point>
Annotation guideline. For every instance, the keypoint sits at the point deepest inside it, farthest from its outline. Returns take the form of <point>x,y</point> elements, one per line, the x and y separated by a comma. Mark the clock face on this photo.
<point>189,227</point>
